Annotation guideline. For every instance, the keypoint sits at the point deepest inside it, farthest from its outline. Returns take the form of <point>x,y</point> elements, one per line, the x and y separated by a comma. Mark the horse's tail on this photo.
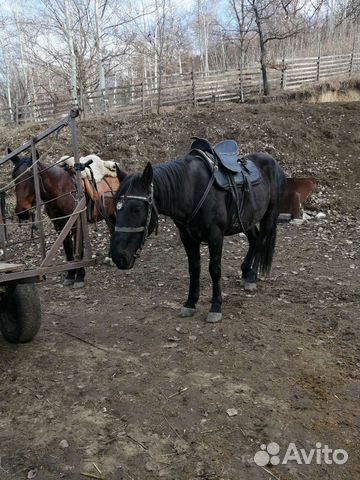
<point>267,250</point>
<point>268,224</point>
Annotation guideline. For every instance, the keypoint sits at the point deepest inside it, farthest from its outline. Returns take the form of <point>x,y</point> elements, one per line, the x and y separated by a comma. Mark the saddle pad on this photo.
<point>222,178</point>
<point>100,199</point>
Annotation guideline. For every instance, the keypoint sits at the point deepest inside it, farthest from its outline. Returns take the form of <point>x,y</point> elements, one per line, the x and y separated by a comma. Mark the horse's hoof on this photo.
<point>68,282</point>
<point>108,261</point>
<point>187,312</point>
<point>250,287</point>
<point>214,317</point>
<point>242,282</point>
<point>79,284</point>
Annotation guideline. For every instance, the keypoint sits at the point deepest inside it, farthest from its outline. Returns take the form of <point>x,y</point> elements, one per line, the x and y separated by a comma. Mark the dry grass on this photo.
<point>327,91</point>
<point>351,95</point>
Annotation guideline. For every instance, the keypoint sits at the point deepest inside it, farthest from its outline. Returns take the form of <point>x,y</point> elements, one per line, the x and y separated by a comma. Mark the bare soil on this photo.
<point>116,381</point>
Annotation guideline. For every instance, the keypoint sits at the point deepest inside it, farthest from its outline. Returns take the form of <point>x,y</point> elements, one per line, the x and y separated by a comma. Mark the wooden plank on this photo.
<point>300,65</point>
<point>334,65</point>
<point>10,267</point>
<point>40,271</point>
<point>304,69</point>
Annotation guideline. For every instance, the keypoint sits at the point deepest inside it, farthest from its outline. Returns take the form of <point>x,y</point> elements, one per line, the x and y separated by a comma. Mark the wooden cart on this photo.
<point>20,309</point>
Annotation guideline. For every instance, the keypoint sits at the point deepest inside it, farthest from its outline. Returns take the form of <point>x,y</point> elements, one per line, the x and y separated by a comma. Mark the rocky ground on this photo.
<point>117,386</point>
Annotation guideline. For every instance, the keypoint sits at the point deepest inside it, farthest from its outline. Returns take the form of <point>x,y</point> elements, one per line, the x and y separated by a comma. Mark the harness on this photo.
<point>151,207</point>
<point>211,161</point>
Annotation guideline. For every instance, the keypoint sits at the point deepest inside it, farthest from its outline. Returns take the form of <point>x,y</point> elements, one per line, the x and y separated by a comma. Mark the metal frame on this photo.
<point>78,216</point>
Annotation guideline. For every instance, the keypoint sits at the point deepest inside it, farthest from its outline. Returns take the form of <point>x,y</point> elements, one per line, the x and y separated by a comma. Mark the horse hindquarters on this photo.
<point>268,224</point>
<point>262,241</point>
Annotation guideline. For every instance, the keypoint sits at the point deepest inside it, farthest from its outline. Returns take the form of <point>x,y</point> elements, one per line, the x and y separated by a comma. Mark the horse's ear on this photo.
<point>121,175</point>
<point>147,176</point>
<point>13,159</point>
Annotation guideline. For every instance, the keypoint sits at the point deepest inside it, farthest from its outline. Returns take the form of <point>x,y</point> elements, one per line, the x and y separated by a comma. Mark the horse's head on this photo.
<point>24,186</point>
<point>136,217</point>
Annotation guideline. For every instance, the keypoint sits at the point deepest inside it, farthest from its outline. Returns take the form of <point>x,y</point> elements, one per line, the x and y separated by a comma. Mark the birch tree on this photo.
<point>279,20</point>
<point>98,42</point>
<point>70,41</point>
<point>243,21</point>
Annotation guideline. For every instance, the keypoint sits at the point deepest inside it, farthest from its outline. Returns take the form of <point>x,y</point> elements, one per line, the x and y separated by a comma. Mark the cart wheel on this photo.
<point>20,313</point>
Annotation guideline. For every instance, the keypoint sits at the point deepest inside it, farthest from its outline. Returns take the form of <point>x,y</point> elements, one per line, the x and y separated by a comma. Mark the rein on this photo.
<point>151,207</point>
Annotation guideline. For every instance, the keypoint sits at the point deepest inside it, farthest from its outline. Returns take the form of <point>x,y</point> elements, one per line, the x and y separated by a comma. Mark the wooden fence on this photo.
<point>193,89</point>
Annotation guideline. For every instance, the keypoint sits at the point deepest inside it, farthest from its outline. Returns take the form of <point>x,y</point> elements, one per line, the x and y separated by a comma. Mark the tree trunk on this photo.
<point>98,37</point>
<point>73,80</point>
<point>262,52</point>
<point>242,71</point>
<point>180,62</point>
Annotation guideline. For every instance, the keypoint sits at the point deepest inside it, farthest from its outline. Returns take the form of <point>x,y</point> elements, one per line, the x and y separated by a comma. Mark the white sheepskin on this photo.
<point>100,168</point>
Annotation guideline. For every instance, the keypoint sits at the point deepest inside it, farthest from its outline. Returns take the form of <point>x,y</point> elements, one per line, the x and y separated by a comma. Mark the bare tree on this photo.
<point>243,21</point>
<point>278,20</point>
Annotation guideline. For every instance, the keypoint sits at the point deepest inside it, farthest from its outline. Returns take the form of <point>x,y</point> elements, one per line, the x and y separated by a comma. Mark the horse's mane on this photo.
<point>168,178</point>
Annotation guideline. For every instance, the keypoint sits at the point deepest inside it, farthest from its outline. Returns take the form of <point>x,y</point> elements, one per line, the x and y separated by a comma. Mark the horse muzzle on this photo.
<point>23,216</point>
<point>123,260</point>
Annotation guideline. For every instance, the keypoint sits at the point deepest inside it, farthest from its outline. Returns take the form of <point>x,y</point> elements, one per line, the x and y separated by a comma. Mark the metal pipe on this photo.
<point>80,191</point>
<point>38,221</point>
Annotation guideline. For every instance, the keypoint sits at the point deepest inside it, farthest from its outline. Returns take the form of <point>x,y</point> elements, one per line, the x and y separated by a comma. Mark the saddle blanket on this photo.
<point>98,168</point>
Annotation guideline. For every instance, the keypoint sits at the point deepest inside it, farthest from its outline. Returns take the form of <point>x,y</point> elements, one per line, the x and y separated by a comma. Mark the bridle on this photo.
<point>151,207</point>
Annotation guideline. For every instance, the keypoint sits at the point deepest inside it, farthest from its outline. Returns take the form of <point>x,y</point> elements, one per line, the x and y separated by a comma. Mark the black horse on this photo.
<point>184,189</point>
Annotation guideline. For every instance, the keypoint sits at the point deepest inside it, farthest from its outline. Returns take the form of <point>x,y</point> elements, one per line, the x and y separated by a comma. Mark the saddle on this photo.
<point>230,168</point>
<point>99,197</point>
<point>230,172</point>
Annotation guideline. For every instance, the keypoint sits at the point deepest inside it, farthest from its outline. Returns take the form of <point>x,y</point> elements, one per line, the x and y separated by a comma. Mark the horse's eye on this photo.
<point>120,205</point>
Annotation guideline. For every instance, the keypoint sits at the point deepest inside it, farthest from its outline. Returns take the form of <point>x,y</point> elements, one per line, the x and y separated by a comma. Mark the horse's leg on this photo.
<point>215,251</point>
<point>69,253</point>
<point>108,259</point>
<point>80,272</point>
<point>192,249</point>
<point>249,276</point>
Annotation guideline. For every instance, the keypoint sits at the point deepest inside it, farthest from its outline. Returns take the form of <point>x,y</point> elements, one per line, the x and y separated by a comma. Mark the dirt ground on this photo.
<point>115,381</point>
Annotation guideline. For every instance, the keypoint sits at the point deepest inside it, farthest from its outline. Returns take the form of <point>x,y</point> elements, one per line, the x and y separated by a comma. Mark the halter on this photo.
<point>149,200</point>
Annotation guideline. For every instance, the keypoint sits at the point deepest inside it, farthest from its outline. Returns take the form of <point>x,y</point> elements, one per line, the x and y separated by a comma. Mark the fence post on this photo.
<point>283,75</point>
<point>241,84</point>
<point>351,59</point>
<point>260,83</point>
<point>318,69</point>
<point>318,64</point>
<point>143,97</point>
<point>194,99</point>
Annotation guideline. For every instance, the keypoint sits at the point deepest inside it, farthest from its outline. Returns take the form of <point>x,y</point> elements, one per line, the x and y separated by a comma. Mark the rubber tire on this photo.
<point>20,313</point>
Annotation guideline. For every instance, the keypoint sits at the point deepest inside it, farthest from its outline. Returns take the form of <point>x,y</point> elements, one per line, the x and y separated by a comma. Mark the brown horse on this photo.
<point>57,191</point>
<point>296,192</point>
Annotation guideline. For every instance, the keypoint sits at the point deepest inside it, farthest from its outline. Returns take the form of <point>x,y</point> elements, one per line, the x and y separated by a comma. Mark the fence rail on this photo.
<point>192,89</point>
